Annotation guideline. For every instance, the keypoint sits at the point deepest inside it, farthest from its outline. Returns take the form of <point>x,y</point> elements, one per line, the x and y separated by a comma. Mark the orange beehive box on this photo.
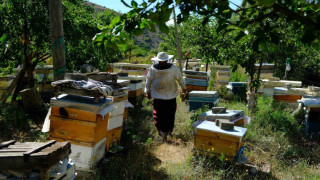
<point>286,98</point>
<point>113,137</point>
<point>193,87</point>
<point>77,114</point>
<point>77,125</point>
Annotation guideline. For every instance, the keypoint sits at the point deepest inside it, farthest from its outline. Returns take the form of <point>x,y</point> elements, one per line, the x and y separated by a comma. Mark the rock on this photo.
<point>219,110</point>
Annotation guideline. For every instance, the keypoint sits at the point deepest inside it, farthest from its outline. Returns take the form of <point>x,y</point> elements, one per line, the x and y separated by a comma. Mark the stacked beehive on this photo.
<point>222,75</point>
<point>311,106</point>
<point>117,117</point>
<point>289,96</point>
<point>238,89</point>
<point>136,86</point>
<point>196,80</point>
<point>266,70</point>
<point>197,99</point>
<point>268,85</point>
<point>218,131</point>
<point>82,122</point>
<point>211,138</point>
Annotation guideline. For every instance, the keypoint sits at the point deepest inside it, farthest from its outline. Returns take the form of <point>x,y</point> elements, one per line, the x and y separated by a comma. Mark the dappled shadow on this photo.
<point>225,168</point>
<point>137,160</point>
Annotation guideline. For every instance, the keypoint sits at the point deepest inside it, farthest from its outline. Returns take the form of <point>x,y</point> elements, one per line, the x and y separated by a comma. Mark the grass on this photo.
<point>15,124</point>
<point>275,144</point>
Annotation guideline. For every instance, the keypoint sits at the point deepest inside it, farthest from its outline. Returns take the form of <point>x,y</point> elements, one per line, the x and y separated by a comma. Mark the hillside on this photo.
<point>149,40</point>
<point>98,7</point>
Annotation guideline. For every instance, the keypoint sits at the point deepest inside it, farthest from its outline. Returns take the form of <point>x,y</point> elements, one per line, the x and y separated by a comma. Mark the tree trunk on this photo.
<point>57,35</point>
<point>252,94</point>
<point>177,39</point>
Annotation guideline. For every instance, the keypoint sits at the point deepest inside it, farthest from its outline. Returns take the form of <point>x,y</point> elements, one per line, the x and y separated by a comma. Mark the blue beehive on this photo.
<point>197,99</point>
<point>238,88</point>
<point>312,118</point>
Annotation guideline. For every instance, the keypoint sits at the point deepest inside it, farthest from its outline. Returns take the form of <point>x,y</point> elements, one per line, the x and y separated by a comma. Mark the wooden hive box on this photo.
<point>135,86</point>
<point>115,122</point>
<point>113,138</point>
<point>119,98</point>
<point>196,77</point>
<point>85,157</point>
<point>286,98</point>
<point>78,126</point>
<point>135,93</point>
<point>195,88</point>
<point>210,137</point>
<point>196,82</point>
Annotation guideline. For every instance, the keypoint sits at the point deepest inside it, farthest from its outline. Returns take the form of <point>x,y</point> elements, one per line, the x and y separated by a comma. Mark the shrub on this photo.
<point>239,75</point>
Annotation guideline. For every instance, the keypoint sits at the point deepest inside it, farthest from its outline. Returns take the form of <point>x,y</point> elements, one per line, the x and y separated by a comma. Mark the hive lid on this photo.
<point>310,101</point>
<point>80,102</point>
<point>203,94</point>
<point>211,127</point>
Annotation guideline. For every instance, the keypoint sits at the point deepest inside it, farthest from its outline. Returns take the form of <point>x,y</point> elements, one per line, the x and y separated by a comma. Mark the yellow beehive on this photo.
<point>210,137</point>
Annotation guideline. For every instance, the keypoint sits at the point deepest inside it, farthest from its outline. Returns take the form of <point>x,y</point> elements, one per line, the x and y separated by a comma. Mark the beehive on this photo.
<point>210,137</point>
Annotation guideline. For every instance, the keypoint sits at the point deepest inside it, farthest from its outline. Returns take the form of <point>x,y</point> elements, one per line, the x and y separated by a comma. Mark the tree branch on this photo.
<point>295,16</point>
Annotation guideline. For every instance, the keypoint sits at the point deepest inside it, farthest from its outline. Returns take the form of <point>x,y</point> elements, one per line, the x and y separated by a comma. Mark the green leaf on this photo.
<point>263,45</point>
<point>134,4</point>
<point>144,4</point>
<point>123,2</point>
<point>3,38</point>
<point>98,37</point>
<point>226,11</point>
<point>115,21</point>
<point>266,2</point>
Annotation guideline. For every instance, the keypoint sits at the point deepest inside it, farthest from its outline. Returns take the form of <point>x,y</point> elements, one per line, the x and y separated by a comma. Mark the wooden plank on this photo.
<point>43,159</point>
<point>76,114</point>
<point>118,98</point>
<point>217,146</point>
<point>37,149</point>
<point>196,77</point>
<point>73,141</point>
<point>6,144</point>
<point>215,135</point>
<point>193,87</point>
<point>286,98</point>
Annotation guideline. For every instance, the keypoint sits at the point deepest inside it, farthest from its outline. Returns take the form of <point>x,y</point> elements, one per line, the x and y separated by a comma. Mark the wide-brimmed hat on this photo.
<point>162,56</point>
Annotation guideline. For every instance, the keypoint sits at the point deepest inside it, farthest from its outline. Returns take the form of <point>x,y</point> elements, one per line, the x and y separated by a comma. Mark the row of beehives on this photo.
<point>221,131</point>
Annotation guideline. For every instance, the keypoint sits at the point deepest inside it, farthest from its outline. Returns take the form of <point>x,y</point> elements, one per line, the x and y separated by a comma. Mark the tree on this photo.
<point>257,17</point>
<point>25,37</point>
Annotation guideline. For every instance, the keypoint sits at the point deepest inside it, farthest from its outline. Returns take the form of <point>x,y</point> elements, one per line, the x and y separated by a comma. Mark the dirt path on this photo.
<point>172,152</point>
